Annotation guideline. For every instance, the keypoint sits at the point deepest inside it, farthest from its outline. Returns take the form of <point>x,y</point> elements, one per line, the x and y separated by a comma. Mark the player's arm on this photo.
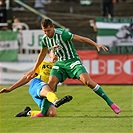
<point>40,58</point>
<point>78,38</point>
<point>19,83</point>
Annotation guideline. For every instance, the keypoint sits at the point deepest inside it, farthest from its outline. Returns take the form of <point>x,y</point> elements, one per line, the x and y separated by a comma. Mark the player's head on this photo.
<point>48,27</point>
<point>52,56</point>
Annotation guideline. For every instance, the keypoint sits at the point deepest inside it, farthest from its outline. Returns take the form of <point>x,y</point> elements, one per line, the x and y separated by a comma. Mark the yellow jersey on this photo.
<point>43,71</point>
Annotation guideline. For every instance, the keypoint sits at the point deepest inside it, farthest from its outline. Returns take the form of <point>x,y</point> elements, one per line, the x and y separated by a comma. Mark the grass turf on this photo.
<point>86,113</point>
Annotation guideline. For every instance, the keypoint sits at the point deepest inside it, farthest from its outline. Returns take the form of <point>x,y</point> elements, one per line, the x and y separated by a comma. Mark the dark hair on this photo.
<point>46,22</point>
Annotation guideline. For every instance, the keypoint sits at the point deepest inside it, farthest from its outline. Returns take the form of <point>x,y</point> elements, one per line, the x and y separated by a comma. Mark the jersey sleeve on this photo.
<point>38,70</point>
<point>43,42</point>
<point>66,35</point>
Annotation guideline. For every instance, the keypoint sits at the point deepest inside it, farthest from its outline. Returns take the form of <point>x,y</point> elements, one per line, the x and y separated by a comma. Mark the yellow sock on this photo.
<point>34,113</point>
<point>51,97</point>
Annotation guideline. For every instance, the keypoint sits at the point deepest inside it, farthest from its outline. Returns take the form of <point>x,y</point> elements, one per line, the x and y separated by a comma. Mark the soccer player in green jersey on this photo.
<point>68,64</point>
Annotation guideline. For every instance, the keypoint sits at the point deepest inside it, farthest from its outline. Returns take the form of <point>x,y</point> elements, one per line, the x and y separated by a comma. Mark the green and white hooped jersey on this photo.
<point>61,43</point>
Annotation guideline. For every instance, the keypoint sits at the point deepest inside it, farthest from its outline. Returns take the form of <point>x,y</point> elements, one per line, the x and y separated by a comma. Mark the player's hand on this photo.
<point>99,47</point>
<point>4,90</point>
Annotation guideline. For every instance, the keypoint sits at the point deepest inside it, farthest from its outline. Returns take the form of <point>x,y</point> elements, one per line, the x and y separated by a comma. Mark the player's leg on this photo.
<point>77,70</point>
<point>44,105</point>
<point>51,111</point>
<point>56,76</point>
<point>85,78</point>
<point>63,100</point>
<point>53,81</point>
<point>40,89</point>
<point>52,97</point>
<point>44,112</point>
<point>33,113</point>
<point>27,111</point>
<point>48,93</point>
<point>47,108</point>
<point>43,90</point>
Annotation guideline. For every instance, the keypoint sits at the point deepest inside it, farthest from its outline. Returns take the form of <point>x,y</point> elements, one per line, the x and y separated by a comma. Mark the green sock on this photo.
<point>99,91</point>
<point>45,106</point>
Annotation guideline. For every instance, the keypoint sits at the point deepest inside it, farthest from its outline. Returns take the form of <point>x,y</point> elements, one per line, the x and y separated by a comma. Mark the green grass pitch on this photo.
<point>86,113</point>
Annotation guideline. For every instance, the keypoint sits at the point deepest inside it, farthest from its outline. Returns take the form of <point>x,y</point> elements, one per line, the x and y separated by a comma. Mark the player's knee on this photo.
<point>87,83</point>
<point>52,114</point>
<point>90,84</point>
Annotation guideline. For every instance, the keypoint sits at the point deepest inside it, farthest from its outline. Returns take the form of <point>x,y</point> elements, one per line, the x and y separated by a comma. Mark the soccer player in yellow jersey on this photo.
<point>43,71</point>
<point>38,83</point>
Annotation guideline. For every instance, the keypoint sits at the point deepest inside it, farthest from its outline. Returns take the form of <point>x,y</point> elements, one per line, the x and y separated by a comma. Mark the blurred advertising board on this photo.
<point>106,69</point>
